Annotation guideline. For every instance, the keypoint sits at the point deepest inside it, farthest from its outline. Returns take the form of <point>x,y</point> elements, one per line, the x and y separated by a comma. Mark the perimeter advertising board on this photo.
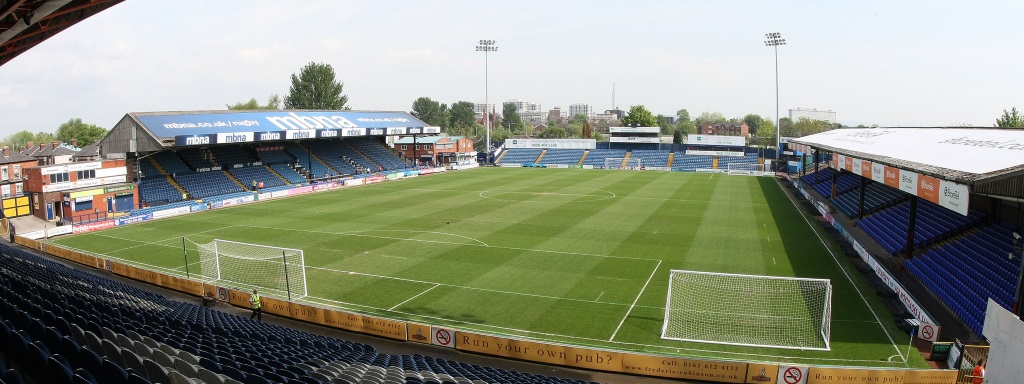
<point>551,143</point>
<point>948,194</point>
<point>716,140</point>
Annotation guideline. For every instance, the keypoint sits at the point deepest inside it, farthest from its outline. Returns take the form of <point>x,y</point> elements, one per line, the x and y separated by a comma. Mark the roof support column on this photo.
<point>835,181</point>
<point>911,226</point>
<point>803,165</point>
<point>860,201</point>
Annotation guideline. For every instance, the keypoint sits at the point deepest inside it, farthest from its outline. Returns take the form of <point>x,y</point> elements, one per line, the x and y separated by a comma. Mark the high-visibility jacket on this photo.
<point>255,301</point>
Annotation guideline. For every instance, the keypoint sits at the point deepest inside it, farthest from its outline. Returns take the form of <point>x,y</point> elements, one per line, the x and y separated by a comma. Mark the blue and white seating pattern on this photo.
<point>61,325</point>
<point>690,163</point>
<point>521,156</point>
<point>205,184</point>
<point>562,156</point>
<point>288,173</point>
<point>965,272</point>
<point>378,153</point>
<point>596,157</point>
<point>889,226</point>
<point>157,189</point>
<point>651,157</point>
<point>259,174</point>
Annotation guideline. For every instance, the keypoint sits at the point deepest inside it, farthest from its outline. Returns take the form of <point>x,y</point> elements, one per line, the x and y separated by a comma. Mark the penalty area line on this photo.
<point>634,301</point>
<point>411,298</point>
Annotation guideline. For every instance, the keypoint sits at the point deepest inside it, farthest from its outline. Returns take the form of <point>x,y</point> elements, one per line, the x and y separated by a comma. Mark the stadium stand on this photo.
<point>259,174</point>
<point>170,162</point>
<point>303,158</point>
<point>62,325</point>
<point>690,163</point>
<point>562,156</point>
<point>889,226</point>
<point>876,196</point>
<point>351,155</point>
<point>651,157</point>
<point>274,156</point>
<point>226,155</point>
<point>205,184</point>
<point>195,158</point>
<point>288,173</point>
<point>330,151</point>
<point>968,270</point>
<point>596,157</point>
<point>521,156</point>
<point>724,161</point>
<point>157,190</point>
<point>378,153</point>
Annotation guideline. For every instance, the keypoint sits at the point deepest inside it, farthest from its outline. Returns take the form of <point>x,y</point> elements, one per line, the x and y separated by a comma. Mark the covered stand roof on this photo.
<point>989,160</point>
<point>25,23</point>
<point>155,131</point>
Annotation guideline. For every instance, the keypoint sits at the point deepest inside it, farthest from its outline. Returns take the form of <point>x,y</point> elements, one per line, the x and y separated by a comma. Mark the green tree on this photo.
<point>273,102</point>
<point>510,118</point>
<point>787,127</point>
<point>687,127</point>
<point>316,87</point>
<point>579,118</point>
<point>709,117</point>
<point>662,122</point>
<point>574,130</point>
<point>19,139</point>
<point>1010,119</point>
<point>765,136</point>
<point>683,115</point>
<point>598,136</point>
<point>639,115</point>
<point>462,119</point>
<point>552,133</point>
<point>805,126</point>
<point>677,136</point>
<point>75,129</point>
<point>431,112</point>
<point>753,121</point>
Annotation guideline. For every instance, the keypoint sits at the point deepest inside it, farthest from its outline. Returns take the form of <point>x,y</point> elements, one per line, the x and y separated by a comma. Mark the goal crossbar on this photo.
<point>748,310</point>
<point>275,270</point>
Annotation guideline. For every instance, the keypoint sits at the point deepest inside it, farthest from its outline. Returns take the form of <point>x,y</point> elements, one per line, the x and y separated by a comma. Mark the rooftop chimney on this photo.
<point>74,143</point>
<point>30,144</point>
<point>56,144</point>
<point>7,151</point>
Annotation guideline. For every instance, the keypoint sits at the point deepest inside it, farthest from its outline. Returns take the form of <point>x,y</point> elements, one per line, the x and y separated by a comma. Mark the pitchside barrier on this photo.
<point>545,353</point>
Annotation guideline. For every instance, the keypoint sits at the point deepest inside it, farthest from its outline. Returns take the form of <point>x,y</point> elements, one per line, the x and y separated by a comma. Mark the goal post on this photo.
<point>748,310</point>
<point>630,163</point>
<point>751,169</point>
<point>274,270</point>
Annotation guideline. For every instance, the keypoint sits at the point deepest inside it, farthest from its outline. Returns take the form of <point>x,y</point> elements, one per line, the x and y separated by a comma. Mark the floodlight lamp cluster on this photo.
<point>774,39</point>
<point>487,46</point>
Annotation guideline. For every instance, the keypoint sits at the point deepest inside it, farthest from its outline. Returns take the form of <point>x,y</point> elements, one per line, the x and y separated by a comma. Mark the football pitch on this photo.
<point>578,257</point>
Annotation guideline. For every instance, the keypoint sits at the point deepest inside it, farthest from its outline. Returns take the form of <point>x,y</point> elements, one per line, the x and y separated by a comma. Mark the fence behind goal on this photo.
<point>274,270</point>
<point>760,311</point>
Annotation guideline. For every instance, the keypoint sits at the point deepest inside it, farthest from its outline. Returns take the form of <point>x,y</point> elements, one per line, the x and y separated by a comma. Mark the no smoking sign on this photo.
<point>792,375</point>
<point>442,336</point>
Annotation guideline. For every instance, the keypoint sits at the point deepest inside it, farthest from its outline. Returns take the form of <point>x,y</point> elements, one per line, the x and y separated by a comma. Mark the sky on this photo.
<point>891,63</point>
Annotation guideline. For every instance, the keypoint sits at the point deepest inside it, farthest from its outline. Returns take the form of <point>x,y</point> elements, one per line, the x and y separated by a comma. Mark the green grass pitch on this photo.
<point>579,257</point>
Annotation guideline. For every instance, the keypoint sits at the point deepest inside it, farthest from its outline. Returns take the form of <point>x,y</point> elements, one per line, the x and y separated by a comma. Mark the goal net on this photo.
<point>274,270</point>
<point>750,169</point>
<point>760,311</point>
<point>631,163</point>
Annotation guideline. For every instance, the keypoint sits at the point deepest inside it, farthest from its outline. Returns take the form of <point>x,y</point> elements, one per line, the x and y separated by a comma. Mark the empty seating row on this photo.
<point>889,226</point>
<point>967,271</point>
<point>61,325</point>
<point>377,152</point>
<point>258,174</point>
<point>304,159</point>
<point>205,184</point>
<point>562,156</point>
<point>596,157</point>
<point>227,155</point>
<point>288,173</point>
<point>876,196</point>
<point>521,156</point>
<point>157,189</point>
<point>690,163</point>
<point>651,157</point>
<point>274,155</point>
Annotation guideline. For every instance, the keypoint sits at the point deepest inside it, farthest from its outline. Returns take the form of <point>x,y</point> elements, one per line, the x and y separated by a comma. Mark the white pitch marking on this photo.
<point>773,261</point>
<point>840,265</point>
<point>410,299</point>
<point>599,297</point>
<point>634,301</point>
